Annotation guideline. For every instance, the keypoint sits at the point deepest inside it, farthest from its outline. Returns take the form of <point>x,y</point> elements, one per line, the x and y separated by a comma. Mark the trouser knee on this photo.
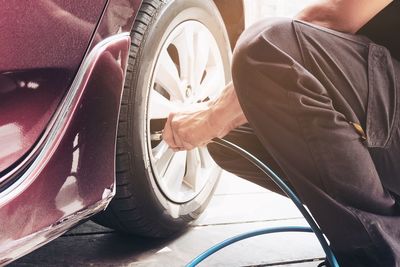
<point>268,41</point>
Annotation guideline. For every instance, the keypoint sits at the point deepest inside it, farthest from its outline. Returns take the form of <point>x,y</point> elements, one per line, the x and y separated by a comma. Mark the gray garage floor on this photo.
<point>237,207</point>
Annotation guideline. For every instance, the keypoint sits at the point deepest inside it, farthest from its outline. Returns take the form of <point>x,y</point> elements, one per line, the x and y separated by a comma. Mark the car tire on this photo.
<point>143,205</point>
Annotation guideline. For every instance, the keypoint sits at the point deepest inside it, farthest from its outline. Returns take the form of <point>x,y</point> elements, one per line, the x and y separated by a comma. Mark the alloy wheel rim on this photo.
<point>188,72</point>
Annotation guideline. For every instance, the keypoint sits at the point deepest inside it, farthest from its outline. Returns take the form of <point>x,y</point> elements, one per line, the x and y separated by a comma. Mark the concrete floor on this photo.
<point>237,207</point>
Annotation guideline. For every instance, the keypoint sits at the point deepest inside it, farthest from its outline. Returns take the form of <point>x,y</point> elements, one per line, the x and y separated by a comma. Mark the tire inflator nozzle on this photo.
<point>156,136</point>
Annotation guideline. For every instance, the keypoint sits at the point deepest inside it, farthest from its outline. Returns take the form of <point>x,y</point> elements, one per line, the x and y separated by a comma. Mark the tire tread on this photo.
<point>124,211</point>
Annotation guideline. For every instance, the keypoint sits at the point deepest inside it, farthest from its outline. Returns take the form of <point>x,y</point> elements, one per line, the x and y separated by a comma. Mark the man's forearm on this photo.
<point>227,111</point>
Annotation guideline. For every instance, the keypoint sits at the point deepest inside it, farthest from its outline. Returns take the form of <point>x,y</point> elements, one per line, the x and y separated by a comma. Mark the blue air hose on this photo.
<point>330,257</point>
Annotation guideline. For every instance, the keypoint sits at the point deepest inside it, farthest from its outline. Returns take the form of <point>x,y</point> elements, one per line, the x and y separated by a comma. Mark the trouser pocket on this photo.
<point>382,104</point>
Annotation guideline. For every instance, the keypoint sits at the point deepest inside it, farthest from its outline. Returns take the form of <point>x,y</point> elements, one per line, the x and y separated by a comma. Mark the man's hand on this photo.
<point>187,130</point>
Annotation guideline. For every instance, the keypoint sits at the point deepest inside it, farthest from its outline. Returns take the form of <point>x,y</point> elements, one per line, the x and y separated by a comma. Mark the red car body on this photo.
<point>62,66</point>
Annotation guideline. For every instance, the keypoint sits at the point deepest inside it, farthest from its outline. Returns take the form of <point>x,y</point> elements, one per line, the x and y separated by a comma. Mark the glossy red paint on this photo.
<point>28,99</point>
<point>42,45</point>
<point>76,167</point>
<point>67,132</point>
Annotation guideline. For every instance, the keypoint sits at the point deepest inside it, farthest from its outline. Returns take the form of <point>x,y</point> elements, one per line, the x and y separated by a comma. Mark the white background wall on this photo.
<point>258,9</point>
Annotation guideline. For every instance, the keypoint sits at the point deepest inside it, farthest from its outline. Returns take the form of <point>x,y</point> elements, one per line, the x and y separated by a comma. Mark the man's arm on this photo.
<point>342,15</point>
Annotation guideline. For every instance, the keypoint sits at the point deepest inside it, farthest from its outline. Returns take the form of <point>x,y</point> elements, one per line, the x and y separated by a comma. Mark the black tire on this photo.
<point>139,206</point>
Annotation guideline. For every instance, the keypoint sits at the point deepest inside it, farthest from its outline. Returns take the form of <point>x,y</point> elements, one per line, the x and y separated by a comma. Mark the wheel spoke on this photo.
<point>202,48</point>
<point>193,168</point>
<point>159,150</point>
<point>160,107</point>
<point>205,158</point>
<point>168,76</point>
<point>176,170</point>
<point>185,46</point>
<point>163,161</point>
<point>212,85</point>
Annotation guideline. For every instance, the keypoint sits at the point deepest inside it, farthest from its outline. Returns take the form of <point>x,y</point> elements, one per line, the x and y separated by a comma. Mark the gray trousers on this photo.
<point>303,89</point>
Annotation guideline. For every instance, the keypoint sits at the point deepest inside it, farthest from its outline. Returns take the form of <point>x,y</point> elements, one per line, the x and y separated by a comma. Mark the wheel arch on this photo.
<point>233,14</point>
